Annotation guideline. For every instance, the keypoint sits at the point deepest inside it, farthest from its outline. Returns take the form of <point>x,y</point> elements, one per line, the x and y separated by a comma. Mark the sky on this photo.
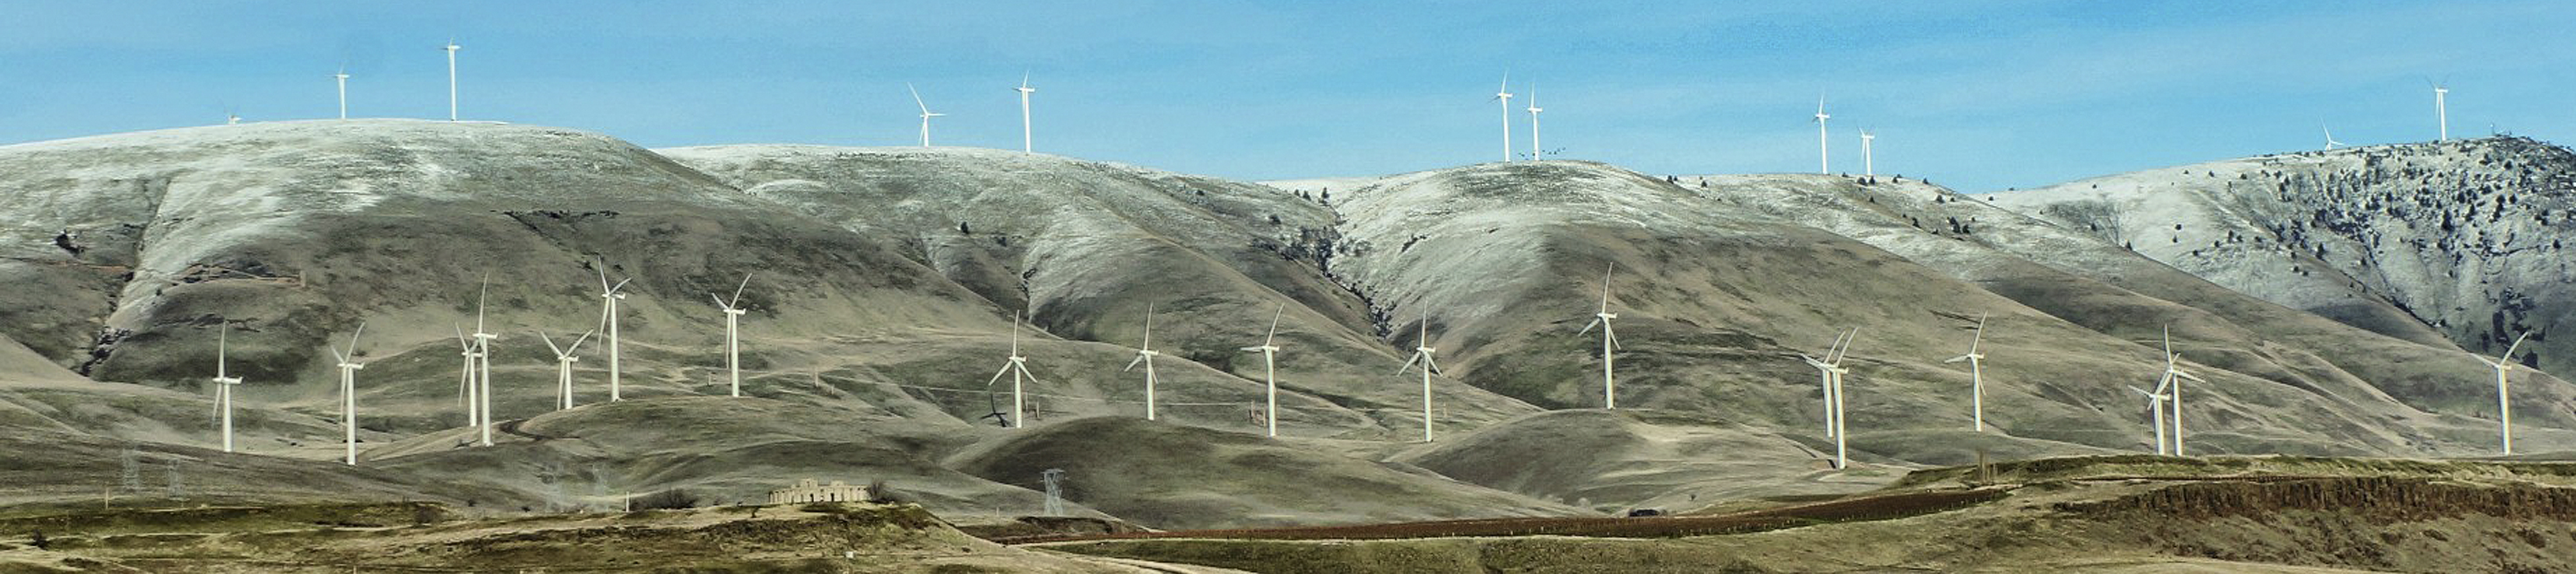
<point>1978,95</point>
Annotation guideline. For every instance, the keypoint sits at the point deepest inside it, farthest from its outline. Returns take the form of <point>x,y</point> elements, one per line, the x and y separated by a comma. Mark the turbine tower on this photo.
<point>563,366</point>
<point>1609,343</point>
<point>224,385</point>
<point>1026,141</point>
<point>1533,112</point>
<point>733,334</point>
<point>2503,365</point>
<point>2171,389</point>
<point>2442,110</point>
<point>1422,353</point>
<point>1824,161</point>
<point>451,78</point>
<point>1270,366</point>
<point>1825,368</point>
<point>342,78</point>
<point>1145,356</point>
<point>2156,405</point>
<point>1842,458</point>
<point>483,366</point>
<point>1018,369</point>
<point>926,114</point>
<point>1976,375</point>
<point>349,394</point>
<point>1504,95</point>
<point>1868,165</point>
<point>609,295</point>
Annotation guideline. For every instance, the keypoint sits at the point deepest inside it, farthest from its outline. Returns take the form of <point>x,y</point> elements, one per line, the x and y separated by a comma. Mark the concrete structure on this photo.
<point>810,490</point>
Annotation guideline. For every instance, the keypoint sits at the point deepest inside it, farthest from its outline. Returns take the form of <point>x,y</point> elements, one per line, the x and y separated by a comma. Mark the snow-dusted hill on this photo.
<point>884,282</point>
<point>2468,236</point>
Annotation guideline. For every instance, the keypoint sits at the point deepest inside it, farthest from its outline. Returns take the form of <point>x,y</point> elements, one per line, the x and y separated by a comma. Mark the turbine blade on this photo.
<point>1980,338</point>
<point>997,375</point>
<point>1613,335</point>
<point>479,297</point>
<point>2194,378</point>
<point>461,341</point>
<point>916,98</point>
<point>1408,363</point>
<point>737,290</point>
<point>1131,365</point>
<point>222,331</point>
<point>1430,365</point>
<point>576,343</point>
<point>1956,359</point>
<point>353,337</point>
<point>550,343</point>
<point>1267,340</point>
<point>621,284</point>
<point>603,278</point>
<point>2517,344</point>
<point>1587,328</point>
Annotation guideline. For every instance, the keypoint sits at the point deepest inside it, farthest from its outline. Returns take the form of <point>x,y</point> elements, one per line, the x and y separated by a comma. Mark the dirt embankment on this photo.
<point>2369,523</point>
<point>1881,507</point>
<point>2378,499</point>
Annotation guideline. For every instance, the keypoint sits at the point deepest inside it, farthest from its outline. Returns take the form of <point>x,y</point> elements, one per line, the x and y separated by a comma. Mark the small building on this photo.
<point>810,490</point>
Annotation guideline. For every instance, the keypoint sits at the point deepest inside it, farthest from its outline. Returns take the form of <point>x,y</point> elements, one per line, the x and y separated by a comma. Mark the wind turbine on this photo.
<point>1609,343</point>
<point>224,385</point>
<point>2171,388</point>
<point>1504,95</point>
<point>1868,165</point>
<point>1535,154</point>
<point>1145,356</point>
<point>1825,376</point>
<point>451,78</point>
<point>1842,458</point>
<point>563,366</point>
<point>926,114</point>
<point>1026,143</point>
<point>1270,366</point>
<point>2156,405</point>
<point>1824,161</point>
<point>1976,375</point>
<point>1018,369</point>
<point>466,390</point>
<point>1422,353</point>
<point>2442,110</point>
<point>349,393</point>
<point>733,331</point>
<point>609,295</point>
<point>2330,141</point>
<point>342,78</point>
<point>2503,365</point>
<point>483,365</point>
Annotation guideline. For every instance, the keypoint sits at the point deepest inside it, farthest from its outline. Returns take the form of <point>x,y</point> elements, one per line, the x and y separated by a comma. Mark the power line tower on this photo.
<point>1054,478</point>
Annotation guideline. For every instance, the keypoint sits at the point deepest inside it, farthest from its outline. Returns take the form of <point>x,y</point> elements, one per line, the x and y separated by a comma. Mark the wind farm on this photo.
<point>230,347</point>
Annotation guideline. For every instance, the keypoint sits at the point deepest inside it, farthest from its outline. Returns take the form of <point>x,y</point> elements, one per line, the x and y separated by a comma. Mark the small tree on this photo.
<point>38,540</point>
<point>673,498</point>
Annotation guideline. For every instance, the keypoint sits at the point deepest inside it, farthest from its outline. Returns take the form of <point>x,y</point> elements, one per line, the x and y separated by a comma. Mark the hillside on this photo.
<point>884,284</point>
<point>2462,236</point>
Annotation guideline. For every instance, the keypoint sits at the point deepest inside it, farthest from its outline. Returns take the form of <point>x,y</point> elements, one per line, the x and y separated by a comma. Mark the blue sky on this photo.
<point>1978,95</point>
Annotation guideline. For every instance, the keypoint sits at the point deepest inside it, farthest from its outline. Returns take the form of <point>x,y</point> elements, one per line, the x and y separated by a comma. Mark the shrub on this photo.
<point>673,498</point>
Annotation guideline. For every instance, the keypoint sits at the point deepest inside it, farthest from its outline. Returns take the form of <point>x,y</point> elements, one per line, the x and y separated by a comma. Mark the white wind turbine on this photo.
<point>2171,388</point>
<point>349,394</point>
<point>1868,165</point>
<point>451,78</point>
<point>1533,112</point>
<point>342,78</point>
<point>2503,365</point>
<point>1504,95</point>
<point>926,114</point>
<point>224,385</point>
<point>1027,144</point>
<point>609,295</point>
<point>1145,356</point>
<point>733,334</point>
<point>2330,141</point>
<point>1976,375</point>
<point>1824,161</point>
<point>1842,458</point>
<point>2156,405</point>
<point>466,389</point>
<point>563,366</point>
<point>483,366</point>
<point>1018,369</point>
<point>2442,110</point>
<point>1825,369</point>
<point>1609,344</point>
<point>1269,350</point>
<point>1422,353</point>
